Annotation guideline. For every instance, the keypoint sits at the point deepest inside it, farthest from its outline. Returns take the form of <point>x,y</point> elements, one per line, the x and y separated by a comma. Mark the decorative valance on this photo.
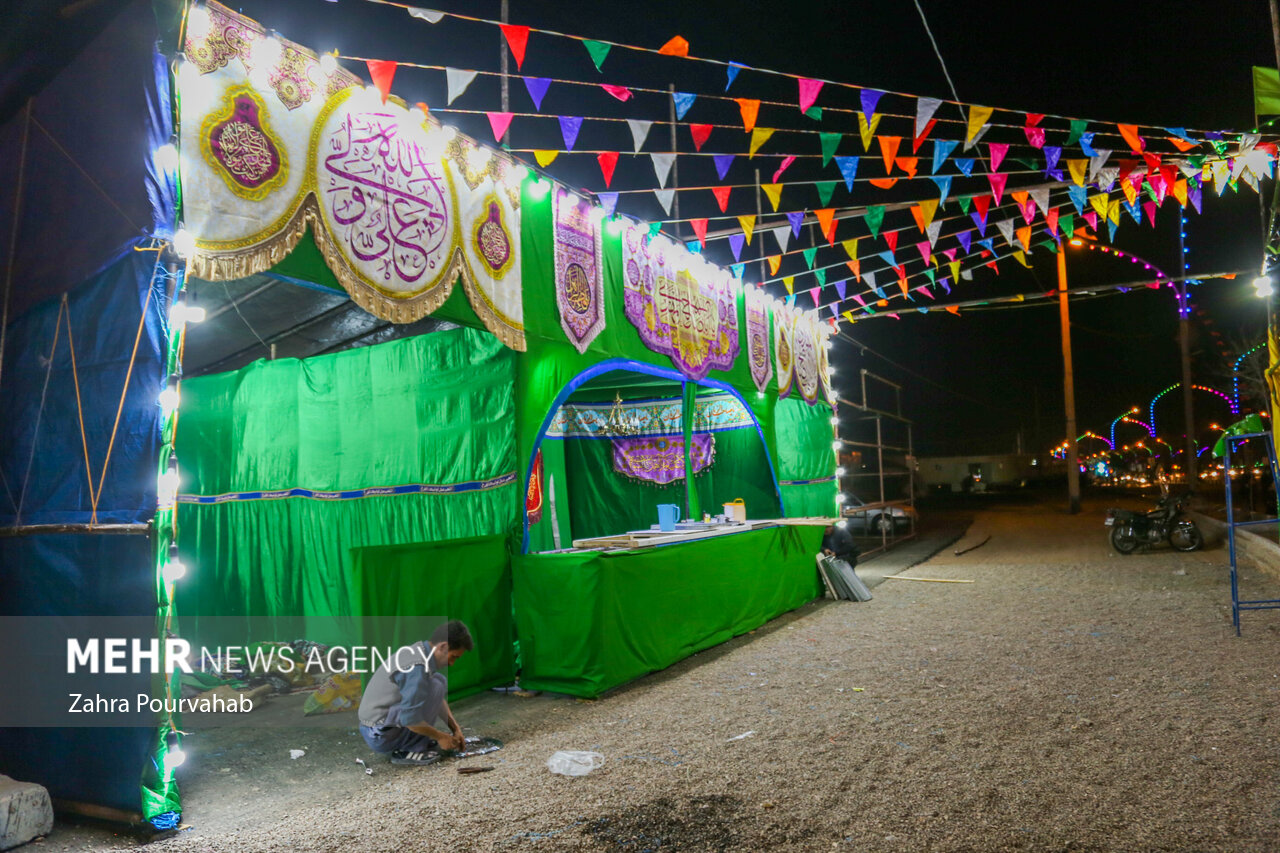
<point>401,207</point>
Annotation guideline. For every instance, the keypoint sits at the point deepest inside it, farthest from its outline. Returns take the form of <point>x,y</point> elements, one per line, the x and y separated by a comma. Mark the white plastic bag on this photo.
<point>574,763</point>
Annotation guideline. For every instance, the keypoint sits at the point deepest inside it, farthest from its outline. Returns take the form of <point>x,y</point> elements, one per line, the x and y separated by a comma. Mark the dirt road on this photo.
<point>1067,699</point>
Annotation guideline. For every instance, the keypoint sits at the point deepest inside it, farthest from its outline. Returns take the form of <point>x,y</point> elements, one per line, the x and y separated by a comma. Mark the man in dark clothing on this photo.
<point>406,696</point>
<point>836,542</point>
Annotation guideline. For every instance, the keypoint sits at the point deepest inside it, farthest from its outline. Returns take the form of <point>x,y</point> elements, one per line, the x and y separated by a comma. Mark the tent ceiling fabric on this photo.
<point>244,318</point>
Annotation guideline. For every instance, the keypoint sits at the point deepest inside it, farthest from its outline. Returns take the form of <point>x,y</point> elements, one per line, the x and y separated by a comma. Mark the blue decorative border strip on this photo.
<point>355,494</point>
<point>808,482</point>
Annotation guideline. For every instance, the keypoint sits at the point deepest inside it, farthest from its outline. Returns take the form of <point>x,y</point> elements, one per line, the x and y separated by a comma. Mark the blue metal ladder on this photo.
<point>1236,604</point>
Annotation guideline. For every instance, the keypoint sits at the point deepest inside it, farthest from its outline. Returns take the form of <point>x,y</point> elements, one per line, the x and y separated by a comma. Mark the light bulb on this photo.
<point>827,344</point>
<point>1262,286</point>
<point>614,226</point>
<point>183,243</point>
<point>328,64</point>
<point>168,401</point>
<point>267,51</point>
<point>840,472</point>
<point>478,158</point>
<point>835,420</point>
<point>539,188</point>
<point>842,524</point>
<point>174,758</point>
<point>166,158</point>
<point>837,444</point>
<point>173,570</point>
<point>760,395</point>
<point>197,22</point>
<point>450,132</point>
<point>841,498</point>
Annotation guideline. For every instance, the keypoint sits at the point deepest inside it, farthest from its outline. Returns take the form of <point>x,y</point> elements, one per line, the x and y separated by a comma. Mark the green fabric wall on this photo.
<point>551,362</point>
<point>805,453</point>
<point>405,591</point>
<point>553,478</point>
<point>592,621</point>
<point>434,409</point>
<point>603,502</point>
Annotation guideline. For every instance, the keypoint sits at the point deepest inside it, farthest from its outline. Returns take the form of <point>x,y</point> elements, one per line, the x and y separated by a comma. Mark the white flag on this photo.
<point>458,81</point>
<point>639,131</point>
<point>664,198</point>
<point>662,166</point>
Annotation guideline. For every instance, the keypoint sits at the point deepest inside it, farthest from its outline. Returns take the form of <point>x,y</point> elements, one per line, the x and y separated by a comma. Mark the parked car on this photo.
<point>887,519</point>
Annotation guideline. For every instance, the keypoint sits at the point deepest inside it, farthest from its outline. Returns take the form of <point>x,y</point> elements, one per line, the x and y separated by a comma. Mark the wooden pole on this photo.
<point>1068,386</point>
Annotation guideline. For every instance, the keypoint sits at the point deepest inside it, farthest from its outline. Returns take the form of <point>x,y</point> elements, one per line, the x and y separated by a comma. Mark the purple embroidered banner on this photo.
<point>681,305</point>
<point>661,460</point>
<point>579,279</point>
<point>758,339</point>
<point>806,346</point>
<point>782,326</point>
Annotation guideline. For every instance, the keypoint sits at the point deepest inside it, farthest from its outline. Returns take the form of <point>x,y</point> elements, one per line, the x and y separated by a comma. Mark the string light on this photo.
<point>167,484</point>
<point>168,398</point>
<point>174,569</point>
<point>183,243</point>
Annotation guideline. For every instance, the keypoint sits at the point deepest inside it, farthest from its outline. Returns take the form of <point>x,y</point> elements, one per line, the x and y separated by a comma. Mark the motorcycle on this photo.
<point>1167,523</point>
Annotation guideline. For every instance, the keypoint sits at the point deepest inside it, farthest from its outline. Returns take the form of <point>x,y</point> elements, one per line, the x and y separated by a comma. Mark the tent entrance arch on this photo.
<point>615,443</point>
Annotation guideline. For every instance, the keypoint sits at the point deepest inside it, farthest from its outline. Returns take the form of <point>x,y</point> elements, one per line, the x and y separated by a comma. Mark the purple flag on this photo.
<point>569,127</point>
<point>735,245</point>
<point>796,219</point>
<point>723,162</point>
<point>870,98</point>
<point>537,87</point>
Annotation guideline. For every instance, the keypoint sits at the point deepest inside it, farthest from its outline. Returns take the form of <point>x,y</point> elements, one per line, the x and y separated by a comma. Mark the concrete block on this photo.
<point>25,812</point>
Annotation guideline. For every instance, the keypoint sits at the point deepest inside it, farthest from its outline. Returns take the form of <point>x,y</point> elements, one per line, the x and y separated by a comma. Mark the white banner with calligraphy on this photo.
<point>401,207</point>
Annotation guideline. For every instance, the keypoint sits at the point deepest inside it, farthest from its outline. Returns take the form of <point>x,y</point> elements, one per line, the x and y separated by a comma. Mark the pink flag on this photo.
<point>998,150</point>
<point>997,185</point>
<point>809,90</point>
<point>499,122</point>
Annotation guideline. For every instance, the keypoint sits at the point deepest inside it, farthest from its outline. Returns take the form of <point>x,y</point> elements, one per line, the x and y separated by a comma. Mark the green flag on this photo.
<point>1266,91</point>
<point>598,50</point>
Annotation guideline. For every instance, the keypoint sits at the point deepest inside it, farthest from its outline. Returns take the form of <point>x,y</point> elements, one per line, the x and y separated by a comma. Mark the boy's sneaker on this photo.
<point>402,757</point>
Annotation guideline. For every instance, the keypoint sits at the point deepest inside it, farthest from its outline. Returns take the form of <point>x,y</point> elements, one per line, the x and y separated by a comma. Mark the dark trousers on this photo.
<point>384,739</point>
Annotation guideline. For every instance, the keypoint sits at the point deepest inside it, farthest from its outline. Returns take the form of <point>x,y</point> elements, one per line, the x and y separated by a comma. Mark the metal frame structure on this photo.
<point>899,428</point>
<point>1236,604</point>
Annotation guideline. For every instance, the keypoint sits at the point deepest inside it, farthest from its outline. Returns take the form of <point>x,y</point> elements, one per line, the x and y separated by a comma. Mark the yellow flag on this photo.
<point>848,315</point>
<point>1221,174</point>
<point>867,130</point>
<point>1022,259</point>
<point>1180,191</point>
<point>545,157</point>
<point>1130,192</point>
<point>1018,298</point>
<point>1099,202</point>
<point>978,117</point>
<point>773,192</point>
<point>928,208</point>
<point>955,269</point>
<point>775,261</point>
<point>1079,168</point>
<point>790,282</point>
<point>851,247</point>
<point>759,136</point>
<point>1113,212</point>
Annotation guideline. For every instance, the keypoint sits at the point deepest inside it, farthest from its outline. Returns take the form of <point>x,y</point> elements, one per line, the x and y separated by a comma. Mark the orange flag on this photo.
<point>1130,134</point>
<point>883,183</point>
<point>676,47</point>
<point>750,108</point>
<point>888,150</point>
<point>1181,144</point>
<point>775,262</point>
<point>1024,237</point>
<point>826,221</point>
<point>907,164</point>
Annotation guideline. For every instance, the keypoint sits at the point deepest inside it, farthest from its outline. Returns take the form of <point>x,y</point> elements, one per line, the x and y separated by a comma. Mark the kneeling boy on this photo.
<point>408,694</point>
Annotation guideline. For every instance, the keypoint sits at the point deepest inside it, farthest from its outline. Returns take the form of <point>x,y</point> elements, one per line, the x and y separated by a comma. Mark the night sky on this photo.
<point>972,382</point>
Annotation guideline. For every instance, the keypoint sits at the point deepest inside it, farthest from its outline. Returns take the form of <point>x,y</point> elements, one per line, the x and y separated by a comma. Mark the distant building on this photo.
<point>976,473</point>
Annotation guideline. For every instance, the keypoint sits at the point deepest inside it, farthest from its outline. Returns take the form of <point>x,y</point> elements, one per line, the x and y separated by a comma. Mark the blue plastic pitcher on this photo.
<point>668,515</point>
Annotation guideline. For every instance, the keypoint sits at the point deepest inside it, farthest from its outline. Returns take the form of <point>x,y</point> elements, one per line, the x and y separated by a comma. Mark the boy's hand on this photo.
<point>453,742</point>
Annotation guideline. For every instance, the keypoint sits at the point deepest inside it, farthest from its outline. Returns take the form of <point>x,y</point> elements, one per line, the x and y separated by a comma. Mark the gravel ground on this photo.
<point>1067,699</point>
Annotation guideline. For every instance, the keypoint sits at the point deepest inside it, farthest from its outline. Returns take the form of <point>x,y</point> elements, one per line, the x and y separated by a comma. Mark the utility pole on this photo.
<point>502,53</point>
<point>1069,386</point>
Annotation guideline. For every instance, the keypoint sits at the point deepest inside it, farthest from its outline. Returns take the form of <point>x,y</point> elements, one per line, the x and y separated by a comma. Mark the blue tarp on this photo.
<point>42,451</point>
<point>63,579</point>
